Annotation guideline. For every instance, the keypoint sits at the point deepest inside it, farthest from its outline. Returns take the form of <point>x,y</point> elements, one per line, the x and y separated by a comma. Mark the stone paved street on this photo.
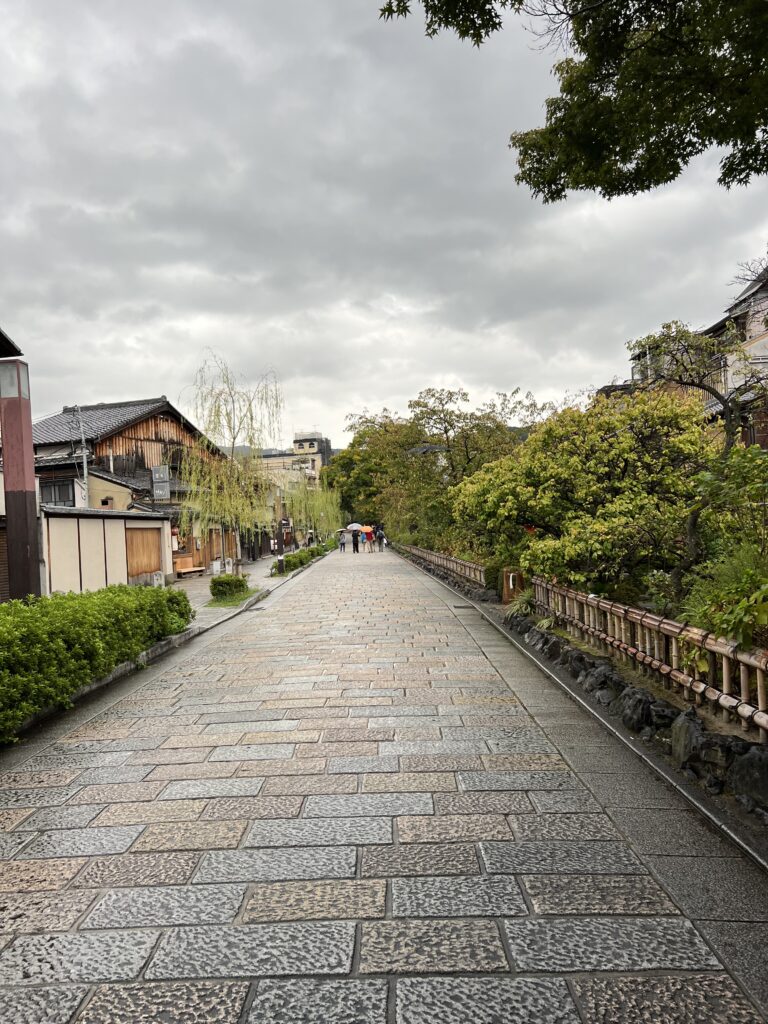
<point>359,804</point>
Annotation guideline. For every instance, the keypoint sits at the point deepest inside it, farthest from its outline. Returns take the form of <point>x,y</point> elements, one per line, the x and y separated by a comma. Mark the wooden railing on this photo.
<point>468,571</point>
<point>706,669</point>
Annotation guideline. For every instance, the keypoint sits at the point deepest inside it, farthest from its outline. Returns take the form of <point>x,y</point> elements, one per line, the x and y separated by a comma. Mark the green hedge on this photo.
<point>228,585</point>
<point>297,559</point>
<point>50,647</point>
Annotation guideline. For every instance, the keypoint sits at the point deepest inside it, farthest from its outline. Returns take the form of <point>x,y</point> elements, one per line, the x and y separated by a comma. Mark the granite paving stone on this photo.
<point>206,789</point>
<point>661,831</point>
<point>563,826</point>
<point>137,869</point>
<point>53,1005</point>
<point>107,776</point>
<point>39,875</point>
<point>448,946</point>
<point>525,763</point>
<point>174,772</point>
<point>347,765</point>
<point>50,797</point>
<point>282,768</point>
<point>611,858</point>
<point>185,1002</point>
<point>253,752</point>
<point>10,819</point>
<point>161,906</point>
<point>486,896</point>
<point>155,757</point>
<point>368,804</point>
<point>485,1001</point>
<point>274,865</point>
<point>10,845</point>
<point>44,762</point>
<point>497,802</point>
<point>712,998</point>
<point>435,748</point>
<point>714,888</point>
<point>145,812</point>
<point>254,950</point>
<point>419,859</point>
<point>631,790</point>
<point>320,1002</point>
<point>81,842</point>
<point>297,736</point>
<point>65,957</point>
<point>470,781</point>
<point>60,817</point>
<point>409,782</point>
<point>252,807</point>
<point>320,832</point>
<point>597,894</point>
<point>742,951</point>
<point>305,785</point>
<point>573,802</point>
<point>343,899</point>
<point>36,780</point>
<point>364,780</point>
<point>607,944</point>
<point>119,792</point>
<point>42,911</point>
<point>452,828</point>
<point>196,835</point>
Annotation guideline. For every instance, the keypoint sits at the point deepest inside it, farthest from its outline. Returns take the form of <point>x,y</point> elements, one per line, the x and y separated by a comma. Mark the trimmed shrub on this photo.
<point>50,647</point>
<point>228,585</point>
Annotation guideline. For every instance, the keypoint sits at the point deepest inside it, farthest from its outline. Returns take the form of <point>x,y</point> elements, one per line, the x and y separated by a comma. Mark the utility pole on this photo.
<point>84,452</point>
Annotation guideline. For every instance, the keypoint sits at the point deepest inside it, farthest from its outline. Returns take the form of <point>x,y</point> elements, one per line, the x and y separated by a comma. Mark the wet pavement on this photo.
<point>360,804</point>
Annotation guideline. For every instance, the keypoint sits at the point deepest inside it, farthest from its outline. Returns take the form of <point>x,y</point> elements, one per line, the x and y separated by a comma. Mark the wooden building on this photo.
<point>133,454</point>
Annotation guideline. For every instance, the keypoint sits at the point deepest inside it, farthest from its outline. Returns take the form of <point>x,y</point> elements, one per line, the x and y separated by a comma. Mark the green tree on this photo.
<point>224,471</point>
<point>398,470</point>
<point>647,86</point>
<point>596,496</point>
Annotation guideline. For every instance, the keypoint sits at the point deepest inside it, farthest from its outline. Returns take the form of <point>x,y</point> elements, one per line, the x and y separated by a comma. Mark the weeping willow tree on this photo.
<point>314,508</point>
<point>224,470</point>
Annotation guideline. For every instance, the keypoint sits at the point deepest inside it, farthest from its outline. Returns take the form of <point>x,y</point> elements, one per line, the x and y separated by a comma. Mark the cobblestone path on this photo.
<point>361,805</point>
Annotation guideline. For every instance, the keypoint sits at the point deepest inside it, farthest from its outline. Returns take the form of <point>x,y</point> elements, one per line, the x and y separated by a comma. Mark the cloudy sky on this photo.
<point>301,187</point>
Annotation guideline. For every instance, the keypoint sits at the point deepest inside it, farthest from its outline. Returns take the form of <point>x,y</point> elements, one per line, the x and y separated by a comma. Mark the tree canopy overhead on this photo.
<point>645,87</point>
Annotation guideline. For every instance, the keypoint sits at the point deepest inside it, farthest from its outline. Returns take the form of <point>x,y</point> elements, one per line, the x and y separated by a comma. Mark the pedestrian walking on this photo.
<point>380,537</point>
<point>355,542</point>
<point>369,541</point>
<point>342,541</point>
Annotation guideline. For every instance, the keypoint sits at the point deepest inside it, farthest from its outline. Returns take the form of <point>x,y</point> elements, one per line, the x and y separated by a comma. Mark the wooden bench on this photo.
<point>185,566</point>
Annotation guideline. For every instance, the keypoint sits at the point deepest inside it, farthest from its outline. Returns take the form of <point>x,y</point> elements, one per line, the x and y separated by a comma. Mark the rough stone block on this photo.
<point>484,1001</point>
<point>608,944</point>
<point>320,1002</point>
<point>486,896</point>
<point>254,950</point>
<point>612,858</point>
<point>447,946</point>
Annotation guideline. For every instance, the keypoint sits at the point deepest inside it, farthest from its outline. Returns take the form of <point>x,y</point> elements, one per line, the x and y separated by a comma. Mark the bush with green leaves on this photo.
<point>728,595</point>
<point>228,585</point>
<point>50,647</point>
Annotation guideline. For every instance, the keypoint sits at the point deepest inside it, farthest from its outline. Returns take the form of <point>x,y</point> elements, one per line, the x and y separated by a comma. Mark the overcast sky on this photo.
<point>304,188</point>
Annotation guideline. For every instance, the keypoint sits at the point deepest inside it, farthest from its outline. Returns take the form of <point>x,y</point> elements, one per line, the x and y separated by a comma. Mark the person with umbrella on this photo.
<point>355,529</point>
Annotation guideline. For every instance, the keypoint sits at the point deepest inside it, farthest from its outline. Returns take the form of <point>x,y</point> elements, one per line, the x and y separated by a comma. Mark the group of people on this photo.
<point>372,538</point>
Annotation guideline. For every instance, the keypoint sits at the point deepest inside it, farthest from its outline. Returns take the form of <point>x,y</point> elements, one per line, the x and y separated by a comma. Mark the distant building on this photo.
<point>310,452</point>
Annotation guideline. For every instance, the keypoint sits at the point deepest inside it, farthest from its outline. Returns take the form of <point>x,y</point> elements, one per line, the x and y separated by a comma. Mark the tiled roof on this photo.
<point>98,420</point>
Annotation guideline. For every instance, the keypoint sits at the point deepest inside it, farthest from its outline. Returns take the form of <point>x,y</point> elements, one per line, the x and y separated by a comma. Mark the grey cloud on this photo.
<point>304,188</point>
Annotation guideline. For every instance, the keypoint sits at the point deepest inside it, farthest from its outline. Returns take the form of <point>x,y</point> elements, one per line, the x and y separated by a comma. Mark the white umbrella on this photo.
<point>355,526</point>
